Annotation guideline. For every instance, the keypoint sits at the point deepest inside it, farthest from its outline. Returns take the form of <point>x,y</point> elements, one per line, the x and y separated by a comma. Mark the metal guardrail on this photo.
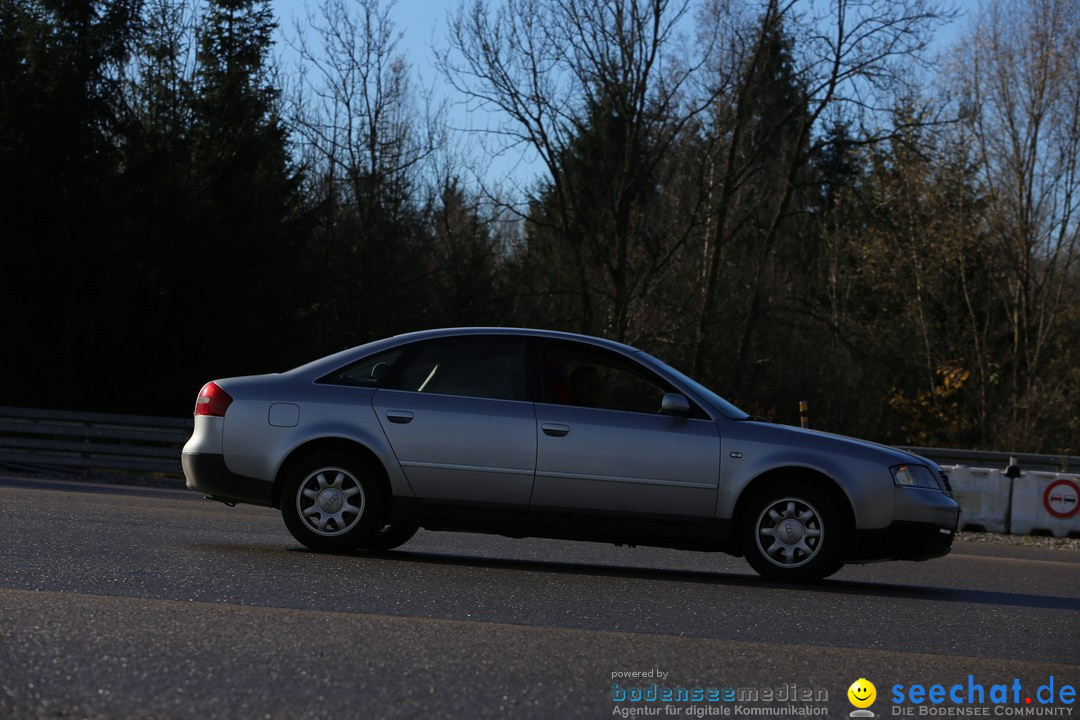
<point>89,443</point>
<point>86,443</point>
<point>999,460</point>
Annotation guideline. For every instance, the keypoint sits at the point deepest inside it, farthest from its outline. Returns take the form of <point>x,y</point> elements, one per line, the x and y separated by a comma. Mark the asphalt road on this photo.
<point>139,603</point>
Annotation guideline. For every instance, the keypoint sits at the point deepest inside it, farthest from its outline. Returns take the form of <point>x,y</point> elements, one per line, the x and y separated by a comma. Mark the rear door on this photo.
<point>457,415</point>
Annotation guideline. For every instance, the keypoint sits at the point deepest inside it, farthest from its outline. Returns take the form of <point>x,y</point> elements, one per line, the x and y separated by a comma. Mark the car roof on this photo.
<point>336,360</point>
<point>527,332</point>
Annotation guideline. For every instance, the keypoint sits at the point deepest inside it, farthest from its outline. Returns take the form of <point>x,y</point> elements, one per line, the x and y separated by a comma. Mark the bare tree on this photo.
<point>844,59</point>
<point>595,90</point>
<point>355,106</point>
<point>1019,84</point>
<point>366,135</point>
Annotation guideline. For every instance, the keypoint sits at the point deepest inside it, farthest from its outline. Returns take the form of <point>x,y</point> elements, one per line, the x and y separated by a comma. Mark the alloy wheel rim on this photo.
<point>330,501</point>
<point>789,532</point>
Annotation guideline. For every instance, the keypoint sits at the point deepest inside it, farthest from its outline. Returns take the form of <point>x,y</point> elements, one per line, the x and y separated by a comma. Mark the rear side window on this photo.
<point>369,372</point>
<point>476,367</point>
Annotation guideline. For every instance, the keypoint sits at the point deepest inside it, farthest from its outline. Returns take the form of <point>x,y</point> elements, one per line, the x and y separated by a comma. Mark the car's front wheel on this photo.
<point>331,502</point>
<point>792,532</point>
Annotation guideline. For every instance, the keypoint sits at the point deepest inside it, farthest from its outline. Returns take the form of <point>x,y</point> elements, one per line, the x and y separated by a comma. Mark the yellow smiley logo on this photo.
<point>862,693</point>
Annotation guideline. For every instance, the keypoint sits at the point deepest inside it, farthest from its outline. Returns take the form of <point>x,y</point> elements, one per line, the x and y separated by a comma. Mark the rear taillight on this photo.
<point>212,400</point>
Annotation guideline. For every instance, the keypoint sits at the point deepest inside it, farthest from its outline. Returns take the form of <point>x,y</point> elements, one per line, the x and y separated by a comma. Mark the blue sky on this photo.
<point>423,23</point>
<point>416,19</point>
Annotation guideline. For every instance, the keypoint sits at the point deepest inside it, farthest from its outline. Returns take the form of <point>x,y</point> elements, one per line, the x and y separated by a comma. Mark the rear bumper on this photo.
<point>208,474</point>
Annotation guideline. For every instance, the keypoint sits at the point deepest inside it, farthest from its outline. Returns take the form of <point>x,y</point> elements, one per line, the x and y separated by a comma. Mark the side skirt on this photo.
<point>705,534</point>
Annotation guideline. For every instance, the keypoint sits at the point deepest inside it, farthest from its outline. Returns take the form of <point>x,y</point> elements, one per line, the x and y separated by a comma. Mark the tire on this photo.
<point>792,532</point>
<point>332,502</point>
<point>390,537</point>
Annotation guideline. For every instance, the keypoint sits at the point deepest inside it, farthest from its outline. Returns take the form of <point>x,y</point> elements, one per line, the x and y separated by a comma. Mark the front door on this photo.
<point>602,446</point>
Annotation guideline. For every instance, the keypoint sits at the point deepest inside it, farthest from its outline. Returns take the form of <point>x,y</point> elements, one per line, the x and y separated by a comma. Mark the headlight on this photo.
<point>915,476</point>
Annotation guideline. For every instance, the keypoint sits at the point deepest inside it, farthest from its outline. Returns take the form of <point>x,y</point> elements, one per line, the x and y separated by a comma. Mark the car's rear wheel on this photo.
<point>331,502</point>
<point>792,532</point>
<point>391,536</point>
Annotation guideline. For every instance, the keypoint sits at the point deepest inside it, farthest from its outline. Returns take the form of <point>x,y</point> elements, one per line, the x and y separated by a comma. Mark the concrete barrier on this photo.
<point>1046,502</point>
<point>984,495</point>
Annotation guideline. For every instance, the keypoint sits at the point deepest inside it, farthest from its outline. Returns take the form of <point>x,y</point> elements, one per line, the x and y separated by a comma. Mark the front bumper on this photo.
<point>923,527</point>
<point>208,474</point>
<point>902,540</point>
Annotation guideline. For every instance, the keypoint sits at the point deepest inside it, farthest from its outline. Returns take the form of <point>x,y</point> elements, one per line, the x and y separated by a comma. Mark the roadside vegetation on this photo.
<point>791,201</point>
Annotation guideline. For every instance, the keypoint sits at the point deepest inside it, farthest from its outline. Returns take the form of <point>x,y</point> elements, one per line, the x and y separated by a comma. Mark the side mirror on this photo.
<point>674,404</point>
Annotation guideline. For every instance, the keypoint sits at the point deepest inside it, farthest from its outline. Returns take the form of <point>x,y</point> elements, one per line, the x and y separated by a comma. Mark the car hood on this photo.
<point>818,441</point>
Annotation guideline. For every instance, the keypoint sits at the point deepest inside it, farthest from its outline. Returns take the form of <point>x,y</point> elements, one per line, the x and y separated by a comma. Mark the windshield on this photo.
<point>726,409</point>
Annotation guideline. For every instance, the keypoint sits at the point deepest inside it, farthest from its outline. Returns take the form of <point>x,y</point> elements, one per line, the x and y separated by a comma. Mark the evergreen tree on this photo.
<point>60,129</point>
<point>759,187</point>
<point>243,254</point>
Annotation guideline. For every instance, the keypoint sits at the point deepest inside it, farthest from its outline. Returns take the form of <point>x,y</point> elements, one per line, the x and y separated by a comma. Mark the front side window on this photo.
<point>585,377</point>
<point>476,367</point>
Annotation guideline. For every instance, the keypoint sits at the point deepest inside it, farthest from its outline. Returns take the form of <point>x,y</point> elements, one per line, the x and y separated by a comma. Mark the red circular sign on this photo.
<point>1062,498</point>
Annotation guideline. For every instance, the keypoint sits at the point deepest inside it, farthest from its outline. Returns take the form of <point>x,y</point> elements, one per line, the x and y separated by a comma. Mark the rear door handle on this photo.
<point>555,429</point>
<point>399,416</point>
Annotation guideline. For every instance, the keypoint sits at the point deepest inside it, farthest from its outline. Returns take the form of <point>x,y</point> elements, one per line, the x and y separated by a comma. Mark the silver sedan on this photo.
<point>546,434</point>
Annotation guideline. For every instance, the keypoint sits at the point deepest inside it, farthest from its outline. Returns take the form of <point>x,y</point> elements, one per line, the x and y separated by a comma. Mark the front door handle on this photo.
<point>399,416</point>
<point>555,429</point>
